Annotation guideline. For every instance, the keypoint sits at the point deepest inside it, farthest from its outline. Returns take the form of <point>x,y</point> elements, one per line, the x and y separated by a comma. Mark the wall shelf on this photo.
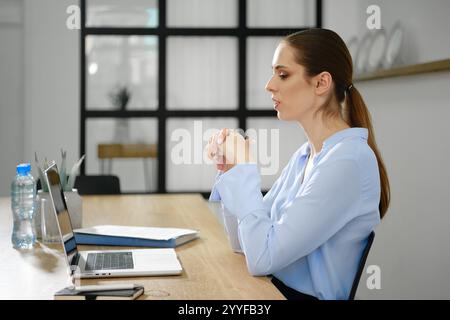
<point>428,67</point>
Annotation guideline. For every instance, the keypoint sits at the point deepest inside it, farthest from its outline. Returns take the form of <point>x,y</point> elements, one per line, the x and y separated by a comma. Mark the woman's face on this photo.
<point>293,96</point>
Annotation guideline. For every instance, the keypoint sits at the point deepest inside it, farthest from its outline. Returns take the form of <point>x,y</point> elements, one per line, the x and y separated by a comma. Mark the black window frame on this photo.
<point>242,113</point>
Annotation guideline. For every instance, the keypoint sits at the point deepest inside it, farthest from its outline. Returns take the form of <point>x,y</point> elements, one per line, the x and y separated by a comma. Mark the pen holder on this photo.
<point>74,205</point>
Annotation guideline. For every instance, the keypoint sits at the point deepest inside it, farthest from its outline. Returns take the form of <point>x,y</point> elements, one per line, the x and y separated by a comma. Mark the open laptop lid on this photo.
<point>62,215</point>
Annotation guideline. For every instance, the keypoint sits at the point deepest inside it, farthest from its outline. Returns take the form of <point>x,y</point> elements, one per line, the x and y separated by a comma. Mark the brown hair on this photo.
<point>319,50</point>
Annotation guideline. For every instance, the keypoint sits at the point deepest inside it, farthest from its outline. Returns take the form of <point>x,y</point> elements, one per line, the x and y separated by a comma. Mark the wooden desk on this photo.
<point>211,269</point>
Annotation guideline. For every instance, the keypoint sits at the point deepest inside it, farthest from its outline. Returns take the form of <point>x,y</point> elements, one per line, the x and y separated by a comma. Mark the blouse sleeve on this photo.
<point>329,200</point>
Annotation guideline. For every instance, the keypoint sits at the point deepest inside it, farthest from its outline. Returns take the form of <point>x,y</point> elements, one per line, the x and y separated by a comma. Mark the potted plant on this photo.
<point>120,98</point>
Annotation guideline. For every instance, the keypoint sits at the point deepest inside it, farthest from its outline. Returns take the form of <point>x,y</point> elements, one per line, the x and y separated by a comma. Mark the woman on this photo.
<point>310,229</point>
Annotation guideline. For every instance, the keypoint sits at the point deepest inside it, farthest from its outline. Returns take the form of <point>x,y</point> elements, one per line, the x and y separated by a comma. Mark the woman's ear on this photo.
<point>323,82</point>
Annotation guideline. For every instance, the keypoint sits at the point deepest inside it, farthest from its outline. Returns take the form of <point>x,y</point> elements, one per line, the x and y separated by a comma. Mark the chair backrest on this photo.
<point>362,263</point>
<point>97,184</point>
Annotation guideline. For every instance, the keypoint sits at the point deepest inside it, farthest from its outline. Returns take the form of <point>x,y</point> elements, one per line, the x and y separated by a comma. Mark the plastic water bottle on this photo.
<point>23,204</point>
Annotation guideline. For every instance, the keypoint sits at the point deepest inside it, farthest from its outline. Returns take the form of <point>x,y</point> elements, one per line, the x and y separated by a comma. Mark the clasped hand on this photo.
<point>228,148</point>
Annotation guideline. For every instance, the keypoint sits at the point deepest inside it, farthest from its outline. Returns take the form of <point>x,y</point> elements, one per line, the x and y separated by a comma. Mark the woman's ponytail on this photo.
<point>359,116</point>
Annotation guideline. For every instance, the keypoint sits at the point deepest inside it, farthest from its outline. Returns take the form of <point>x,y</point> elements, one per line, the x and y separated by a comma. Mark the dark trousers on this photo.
<point>290,293</point>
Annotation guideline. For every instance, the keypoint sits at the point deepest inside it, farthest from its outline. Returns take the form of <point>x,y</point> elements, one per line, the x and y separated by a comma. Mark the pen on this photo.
<point>105,287</point>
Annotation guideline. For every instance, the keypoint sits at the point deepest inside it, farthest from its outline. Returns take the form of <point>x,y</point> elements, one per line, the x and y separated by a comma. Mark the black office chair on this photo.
<point>38,184</point>
<point>361,266</point>
<point>97,184</point>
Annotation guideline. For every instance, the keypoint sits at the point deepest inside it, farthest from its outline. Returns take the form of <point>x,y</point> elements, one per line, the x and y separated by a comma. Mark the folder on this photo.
<point>111,235</point>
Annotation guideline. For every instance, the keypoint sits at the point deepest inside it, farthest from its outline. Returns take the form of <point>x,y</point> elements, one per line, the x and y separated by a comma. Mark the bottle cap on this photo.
<point>23,168</point>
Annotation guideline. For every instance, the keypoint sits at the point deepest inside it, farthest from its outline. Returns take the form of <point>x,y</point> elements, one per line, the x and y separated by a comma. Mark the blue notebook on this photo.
<point>110,235</point>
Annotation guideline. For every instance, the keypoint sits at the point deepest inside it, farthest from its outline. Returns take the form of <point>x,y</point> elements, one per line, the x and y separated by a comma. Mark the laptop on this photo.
<point>105,263</point>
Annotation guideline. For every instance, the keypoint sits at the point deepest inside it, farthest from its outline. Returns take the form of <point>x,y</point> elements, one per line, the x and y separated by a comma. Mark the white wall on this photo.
<point>343,16</point>
<point>39,84</point>
<point>51,91</point>
<point>410,116</point>
<point>411,245</point>
<point>11,84</point>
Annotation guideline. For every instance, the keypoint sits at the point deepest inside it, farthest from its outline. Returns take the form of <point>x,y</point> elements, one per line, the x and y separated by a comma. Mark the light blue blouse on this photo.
<point>309,235</point>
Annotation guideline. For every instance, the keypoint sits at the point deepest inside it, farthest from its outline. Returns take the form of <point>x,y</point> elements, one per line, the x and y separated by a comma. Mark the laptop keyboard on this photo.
<point>109,260</point>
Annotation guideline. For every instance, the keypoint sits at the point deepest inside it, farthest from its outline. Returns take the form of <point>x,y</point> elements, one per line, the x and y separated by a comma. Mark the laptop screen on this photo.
<point>62,213</point>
